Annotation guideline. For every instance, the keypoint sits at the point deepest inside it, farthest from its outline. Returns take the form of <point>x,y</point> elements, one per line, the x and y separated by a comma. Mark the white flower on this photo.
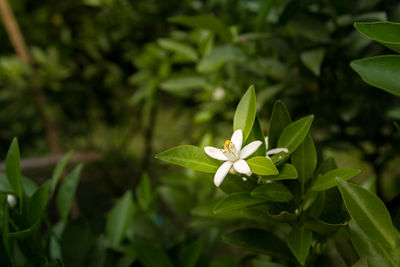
<point>12,201</point>
<point>275,150</point>
<point>233,155</point>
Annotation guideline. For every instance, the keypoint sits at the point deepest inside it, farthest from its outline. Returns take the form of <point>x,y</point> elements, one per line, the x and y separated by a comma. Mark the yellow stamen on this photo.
<point>227,142</point>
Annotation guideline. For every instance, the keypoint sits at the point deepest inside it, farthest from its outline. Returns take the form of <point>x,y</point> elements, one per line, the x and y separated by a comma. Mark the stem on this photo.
<point>18,42</point>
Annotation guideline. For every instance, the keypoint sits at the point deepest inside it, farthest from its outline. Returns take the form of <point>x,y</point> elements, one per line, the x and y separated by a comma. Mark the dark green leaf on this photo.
<point>245,113</point>
<point>184,84</point>
<point>299,241</point>
<point>58,171</point>
<point>218,57</point>
<point>321,227</point>
<point>294,134</point>
<point>259,241</point>
<point>236,201</point>
<point>5,230</point>
<point>327,180</point>
<point>304,158</point>
<point>380,71</point>
<point>178,47</point>
<point>313,59</point>
<point>75,242</point>
<point>280,118</point>
<point>119,219</point>
<point>385,32</point>
<point>66,192</point>
<point>369,213</point>
<point>191,157</point>
<point>144,193</point>
<point>274,191</point>
<point>151,256</point>
<point>286,172</point>
<point>262,166</point>
<point>37,204</point>
<point>192,252</point>
<point>257,134</point>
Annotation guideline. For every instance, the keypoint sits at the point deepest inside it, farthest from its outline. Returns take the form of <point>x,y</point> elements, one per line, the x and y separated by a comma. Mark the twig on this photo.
<point>17,40</point>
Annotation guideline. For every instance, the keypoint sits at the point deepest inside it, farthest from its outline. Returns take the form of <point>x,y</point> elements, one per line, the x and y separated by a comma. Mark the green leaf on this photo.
<point>151,256</point>
<point>75,242</point>
<point>321,227</point>
<point>369,212</point>
<point>372,251</point>
<point>5,230</point>
<point>236,201</point>
<point>192,252</point>
<point>179,48</point>
<point>385,32</point>
<point>327,180</point>
<point>286,172</point>
<point>234,183</point>
<point>245,113</point>
<point>257,134</point>
<point>184,84</point>
<point>304,158</point>
<point>191,157</point>
<point>119,219</point>
<point>218,57</point>
<point>208,22</point>
<point>28,185</point>
<point>280,118</point>
<point>13,171</point>
<point>294,134</point>
<point>258,240</point>
<point>380,71</point>
<point>58,171</point>
<point>144,193</point>
<point>299,241</point>
<point>67,191</point>
<point>262,166</point>
<point>37,204</point>
<point>274,191</point>
<point>313,59</point>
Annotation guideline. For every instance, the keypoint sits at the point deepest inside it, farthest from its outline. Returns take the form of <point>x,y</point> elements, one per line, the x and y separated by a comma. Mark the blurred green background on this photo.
<point>123,80</point>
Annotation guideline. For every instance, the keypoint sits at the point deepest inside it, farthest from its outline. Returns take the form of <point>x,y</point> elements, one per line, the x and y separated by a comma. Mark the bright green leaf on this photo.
<point>280,118</point>
<point>144,193</point>
<point>236,201</point>
<point>286,172</point>
<point>385,32</point>
<point>327,180</point>
<point>299,241</point>
<point>67,191</point>
<point>191,157</point>
<point>294,134</point>
<point>262,166</point>
<point>369,212</point>
<point>380,71</point>
<point>179,48</point>
<point>13,171</point>
<point>119,219</point>
<point>184,84</point>
<point>245,113</point>
<point>304,158</point>
<point>58,171</point>
<point>273,191</point>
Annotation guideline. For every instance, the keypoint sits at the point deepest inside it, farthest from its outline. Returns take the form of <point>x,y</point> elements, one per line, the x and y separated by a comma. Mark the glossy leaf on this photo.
<point>119,219</point>
<point>380,71</point>
<point>191,157</point>
<point>385,32</point>
<point>236,201</point>
<point>294,134</point>
<point>58,171</point>
<point>299,241</point>
<point>286,172</point>
<point>273,191</point>
<point>262,166</point>
<point>304,158</point>
<point>208,22</point>
<point>259,241</point>
<point>245,113</point>
<point>280,118</point>
<point>313,59</point>
<point>321,227</point>
<point>327,180</point>
<point>218,57</point>
<point>369,212</point>
<point>234,183</point>
<point>67,191</point>
<point>13,171</point>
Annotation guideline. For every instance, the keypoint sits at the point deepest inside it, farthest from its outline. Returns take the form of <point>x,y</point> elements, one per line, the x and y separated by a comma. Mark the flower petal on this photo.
<point>266,143</point>
<point>250,149</point>
<point>237,139</point>
<point>241,166</point>
<point>277,150</point>
<point>222,172</point>
<point>215,153</point>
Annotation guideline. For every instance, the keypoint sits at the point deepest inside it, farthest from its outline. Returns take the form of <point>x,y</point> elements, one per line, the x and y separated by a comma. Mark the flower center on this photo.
<point>230,151</point>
